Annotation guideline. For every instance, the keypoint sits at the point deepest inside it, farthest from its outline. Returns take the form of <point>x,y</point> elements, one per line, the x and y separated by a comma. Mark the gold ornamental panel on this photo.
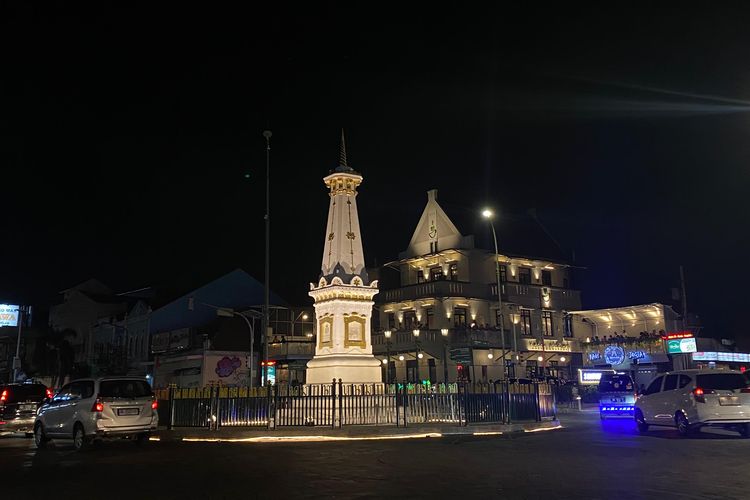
<point>354,331</point>
<point>325,329</point>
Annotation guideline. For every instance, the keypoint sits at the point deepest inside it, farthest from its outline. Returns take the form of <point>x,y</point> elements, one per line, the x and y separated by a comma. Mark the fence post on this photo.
<point>506,395</point>
<point>270,407</point>
<point>405,400</point>
<point>538,402</point>
<point>333,404</point>
<point>171,391</point>
<point>397,398</point>
<point>341,405</point>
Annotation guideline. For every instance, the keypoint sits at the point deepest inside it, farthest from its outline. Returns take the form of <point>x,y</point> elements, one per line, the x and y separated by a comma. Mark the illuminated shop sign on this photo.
<point>732,357</point>
<point>614,355</point>
<point>548,345</point>
<point>588,376</point>
<point>682,345</point>
<point>8,315</point>
<point>678,335</point>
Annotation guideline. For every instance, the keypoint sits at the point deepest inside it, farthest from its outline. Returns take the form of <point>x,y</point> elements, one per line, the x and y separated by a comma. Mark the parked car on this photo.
<point>18,405</point>
<point>691,399</point>
<point>617,395</point>
<point>95,409</point>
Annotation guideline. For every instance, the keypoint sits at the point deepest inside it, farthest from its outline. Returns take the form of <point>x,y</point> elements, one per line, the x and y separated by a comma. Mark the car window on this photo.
<point>670,383</point>
<point>654,386</point>
<point>611,382</point>
<point>63,394</point>
<point>721,381</point>
<point>124,389</point>
<point>684,381</point>
<point>76,390</point>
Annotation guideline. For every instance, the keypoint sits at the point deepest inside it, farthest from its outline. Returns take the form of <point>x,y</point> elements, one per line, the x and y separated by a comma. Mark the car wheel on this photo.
<point>683,426</point>
<point>640,422</point>
<point>80,441</point>
<point>40,438</point>
<point>745,430</point>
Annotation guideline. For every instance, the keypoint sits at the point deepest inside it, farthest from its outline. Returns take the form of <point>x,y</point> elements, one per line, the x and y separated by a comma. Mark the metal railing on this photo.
<point>336,405</point>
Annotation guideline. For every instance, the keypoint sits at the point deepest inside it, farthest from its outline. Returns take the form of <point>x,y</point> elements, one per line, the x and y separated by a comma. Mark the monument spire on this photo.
<point>343,294</point>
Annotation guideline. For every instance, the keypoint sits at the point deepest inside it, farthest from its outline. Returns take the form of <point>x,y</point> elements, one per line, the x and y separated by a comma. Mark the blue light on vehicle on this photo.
<point>616,408</point>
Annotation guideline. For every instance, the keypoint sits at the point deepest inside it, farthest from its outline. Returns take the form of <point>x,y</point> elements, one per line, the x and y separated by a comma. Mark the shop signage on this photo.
<point>548,345</point>
<point>8,315</point>
<point>595,356</point>
<point>681,345</point>
<point>678,335</point>
<point>614,355</point>
<point>589,376</point>
<point>732,357</point>
<point>460,354</point>
<point>636,354</point>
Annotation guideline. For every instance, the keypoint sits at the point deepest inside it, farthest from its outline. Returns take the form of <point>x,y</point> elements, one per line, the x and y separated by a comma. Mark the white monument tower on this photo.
<point>343,294</point>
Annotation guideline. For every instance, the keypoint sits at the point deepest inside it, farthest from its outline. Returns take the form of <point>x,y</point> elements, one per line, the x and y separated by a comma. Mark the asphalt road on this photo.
<point>585,459</point>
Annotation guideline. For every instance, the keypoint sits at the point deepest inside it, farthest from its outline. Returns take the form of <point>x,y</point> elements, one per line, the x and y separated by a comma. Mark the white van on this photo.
<point>691,399</point>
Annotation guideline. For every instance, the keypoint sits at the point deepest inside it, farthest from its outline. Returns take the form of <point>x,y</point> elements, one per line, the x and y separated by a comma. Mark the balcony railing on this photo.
<point>291,349</point>
<point>440,288</point>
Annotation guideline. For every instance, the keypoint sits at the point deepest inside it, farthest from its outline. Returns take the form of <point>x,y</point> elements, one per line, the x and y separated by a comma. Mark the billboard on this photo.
<point>8,315</point>
<point>679,346</point>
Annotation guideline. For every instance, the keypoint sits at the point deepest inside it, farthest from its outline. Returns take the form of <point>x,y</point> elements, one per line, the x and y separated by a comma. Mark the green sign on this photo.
<point>679,346</point>
<point>460,354</point>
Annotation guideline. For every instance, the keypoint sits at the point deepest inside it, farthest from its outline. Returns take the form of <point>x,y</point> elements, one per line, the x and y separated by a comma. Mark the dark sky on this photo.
<point>125,135</point>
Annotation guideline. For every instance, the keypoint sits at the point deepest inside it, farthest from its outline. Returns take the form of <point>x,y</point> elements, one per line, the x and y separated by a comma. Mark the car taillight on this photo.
<point>98,406</point>
<point>745,390</point>
<point>49,393</point>
<point>4,396</point>
<point>154,404</point>
<point>699,394</point>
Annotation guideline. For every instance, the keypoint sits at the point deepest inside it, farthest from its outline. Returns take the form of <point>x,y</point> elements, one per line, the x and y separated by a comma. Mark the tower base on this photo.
<point>351,369</point>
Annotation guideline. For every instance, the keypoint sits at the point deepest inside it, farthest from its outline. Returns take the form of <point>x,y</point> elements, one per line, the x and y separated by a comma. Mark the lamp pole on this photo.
<point>444,332</point>
<point>387,334</point>
<point>229,312</point>
<point>416,342</point>
<point>488,214</point>
<point>266,291</point>
<point>514,357</point>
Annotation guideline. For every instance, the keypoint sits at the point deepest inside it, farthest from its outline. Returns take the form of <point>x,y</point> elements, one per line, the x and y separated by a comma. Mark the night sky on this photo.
<point>126,134</point>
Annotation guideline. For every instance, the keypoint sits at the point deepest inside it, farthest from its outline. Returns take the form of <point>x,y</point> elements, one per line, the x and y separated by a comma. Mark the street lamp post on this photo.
<point>266,289</point>
<point>488,214</point>
<point>304,317</point>
<point>514,319</point>
<point>387,334</point>
<point>229,312</point>
<point>444,332</point>
<point>419,354</point>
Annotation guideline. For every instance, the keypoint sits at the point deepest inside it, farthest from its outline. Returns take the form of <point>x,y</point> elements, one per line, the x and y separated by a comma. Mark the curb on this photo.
<point>354,433</point>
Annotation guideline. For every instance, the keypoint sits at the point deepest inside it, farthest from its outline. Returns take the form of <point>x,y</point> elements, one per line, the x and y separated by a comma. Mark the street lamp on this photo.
<point>229,312</point>
<point>489,215</point>
<point>304,317</point>
<point>266,285</point>
<point>444,332</point>
<point>419,354</point>
<point>387,334</point>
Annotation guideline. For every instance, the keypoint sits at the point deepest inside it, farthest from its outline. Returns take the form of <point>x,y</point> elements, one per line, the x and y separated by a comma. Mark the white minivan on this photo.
<point>94,409</point>
<point>691,399</point>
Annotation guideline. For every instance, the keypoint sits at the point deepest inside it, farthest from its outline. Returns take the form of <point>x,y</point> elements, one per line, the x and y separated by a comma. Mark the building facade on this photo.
<point>443,315</point>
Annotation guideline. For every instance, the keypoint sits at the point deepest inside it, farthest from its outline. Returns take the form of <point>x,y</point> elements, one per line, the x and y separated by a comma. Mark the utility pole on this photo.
<point>17,359</point>
<point>266,292</point>
<point>684,299</point>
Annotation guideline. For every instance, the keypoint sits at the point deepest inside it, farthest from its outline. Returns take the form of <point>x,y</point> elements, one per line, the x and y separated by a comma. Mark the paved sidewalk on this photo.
<point>352,432</point>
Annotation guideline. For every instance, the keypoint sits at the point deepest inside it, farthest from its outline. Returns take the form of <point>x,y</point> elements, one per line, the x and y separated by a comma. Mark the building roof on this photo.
<point>628,314</point>
<point>236,290</point>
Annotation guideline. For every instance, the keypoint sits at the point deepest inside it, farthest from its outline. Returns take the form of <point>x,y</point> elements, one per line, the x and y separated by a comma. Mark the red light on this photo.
<point>4,396</point>
<point>98,406</point>
<point>678,335</point>
<point>268,363</point>
<point>49,393</point>
<point>154,404</point>
<point>698,391</point>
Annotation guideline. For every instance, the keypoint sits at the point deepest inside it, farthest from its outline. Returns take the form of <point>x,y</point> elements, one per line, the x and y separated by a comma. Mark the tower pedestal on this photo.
<point>351,369</point>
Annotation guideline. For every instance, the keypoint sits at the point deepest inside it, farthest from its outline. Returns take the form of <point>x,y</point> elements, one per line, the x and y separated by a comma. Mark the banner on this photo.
<point>8,315</point>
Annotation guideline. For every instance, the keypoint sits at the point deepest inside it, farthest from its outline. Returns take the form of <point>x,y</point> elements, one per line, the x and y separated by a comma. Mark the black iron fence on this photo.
<point>336,405</point>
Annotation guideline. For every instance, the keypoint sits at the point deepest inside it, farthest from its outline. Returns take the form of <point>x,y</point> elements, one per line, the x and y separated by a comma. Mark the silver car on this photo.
<point>93,409</point>
<point>691,399</point>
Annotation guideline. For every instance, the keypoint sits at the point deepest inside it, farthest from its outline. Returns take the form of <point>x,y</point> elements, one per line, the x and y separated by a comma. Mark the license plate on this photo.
<point>618,400</point>
<point>31,407</point>
<point>729,400</point>
<point>124,412</point>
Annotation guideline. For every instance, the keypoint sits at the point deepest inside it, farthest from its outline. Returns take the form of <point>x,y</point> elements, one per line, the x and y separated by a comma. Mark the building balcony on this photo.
<point>439,288</point>
<point>291,348</point>
<point>533,296</point>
